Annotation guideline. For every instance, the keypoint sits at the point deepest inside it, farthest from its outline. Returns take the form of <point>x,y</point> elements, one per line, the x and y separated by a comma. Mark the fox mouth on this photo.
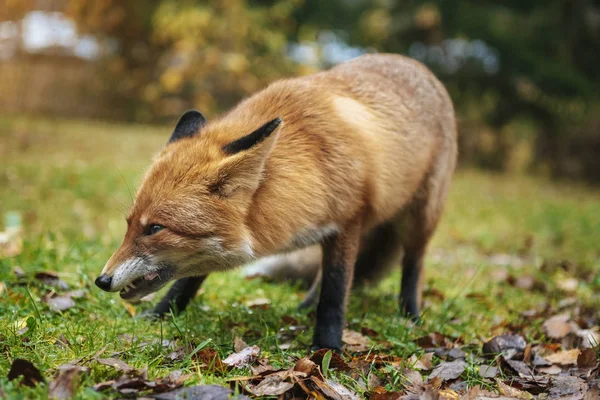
<point>144,285</point>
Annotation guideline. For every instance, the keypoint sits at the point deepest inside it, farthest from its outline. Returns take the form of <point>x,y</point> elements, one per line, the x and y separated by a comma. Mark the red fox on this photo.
<point>357,159</point>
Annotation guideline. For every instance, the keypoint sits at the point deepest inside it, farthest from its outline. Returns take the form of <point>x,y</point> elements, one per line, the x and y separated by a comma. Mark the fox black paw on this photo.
<point>315,348</point>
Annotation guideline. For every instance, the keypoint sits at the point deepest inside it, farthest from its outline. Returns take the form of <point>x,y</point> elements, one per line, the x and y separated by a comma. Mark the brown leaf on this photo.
<point>511,391</point>
<point>260,303</point>
<point>116,364</point>
<point>518,367</point>
<point>210,359</point>
<point>553,370</point>
<point>51,278</point>
<point>588,358</point>
<point>132,382</point>
<point>262,367</point>
<point>411,379</point>
<point>433,340</point>
<point>508,344</point>
<point>272,385</point>
<point>289,320</point>
<point>448,370</point>
<point>336,360</point>
<point>488,371</point>
<point>239,344</point>
<point>565,357</point>
<point>212,392</point>
<point>306,366</point>
<point>567,387</point>
<point>355,342</point>
<point>387,396</point>
<point>243,358</point>
<point>557,327</point>
<point>65,383</point>
<point>368,332</point>
<point>425,362</point>
<point>60,303</point>
<point>31,375</point>
<point>333,390</point>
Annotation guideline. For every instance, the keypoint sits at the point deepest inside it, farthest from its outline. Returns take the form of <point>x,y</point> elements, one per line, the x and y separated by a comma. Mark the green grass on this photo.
<point>71,182</point>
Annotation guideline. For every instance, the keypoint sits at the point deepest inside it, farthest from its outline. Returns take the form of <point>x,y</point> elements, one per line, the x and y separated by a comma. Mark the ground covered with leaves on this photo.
<point>510,305</point>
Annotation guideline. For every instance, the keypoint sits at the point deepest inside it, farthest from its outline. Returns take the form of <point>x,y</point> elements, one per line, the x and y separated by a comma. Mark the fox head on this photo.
<point>188,217</point>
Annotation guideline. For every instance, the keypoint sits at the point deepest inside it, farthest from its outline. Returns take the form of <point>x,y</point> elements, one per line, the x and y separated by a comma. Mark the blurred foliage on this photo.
<point>523,74</point>
<point>170,55</point>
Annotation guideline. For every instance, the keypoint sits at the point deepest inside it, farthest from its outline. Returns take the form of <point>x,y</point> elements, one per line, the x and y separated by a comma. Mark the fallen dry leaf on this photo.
<point>115,363</point>
<point>518,368</point>
<point>307,366</point>
<point>433,340</point>
<point>567,387</point>
<point>552,370</point>
<point>411,379</point>
<point>272,385</point>
<point>60,303</point>
<point>368,332</point>
<point>65,383</point>
<point>132,382</point>
<point>355,342</point>
<point>448,370</point>
<point>336,361</point>
<point>209,392</point>
<point>246,356</point>
<point>23,368</point>
<point>511,391</point>
<point>565,357</point>
<point>210,359</point>
<point>260,303</point>
<point>507,344</point>
<point>239,344</point>
<point>262,367</point>
<point>51,278</point>
<point>387,396</point>
<point>588,358</point>
<point>488,371</point>
<point>557,327</point>
<point>425,362</point>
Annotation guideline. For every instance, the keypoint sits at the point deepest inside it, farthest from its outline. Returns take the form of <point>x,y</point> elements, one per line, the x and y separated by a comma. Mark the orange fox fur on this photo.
<point>366,148</point>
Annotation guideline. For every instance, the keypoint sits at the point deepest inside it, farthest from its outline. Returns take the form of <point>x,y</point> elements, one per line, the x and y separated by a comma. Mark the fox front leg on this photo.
<point>178,296</point>
<point>339,256</point>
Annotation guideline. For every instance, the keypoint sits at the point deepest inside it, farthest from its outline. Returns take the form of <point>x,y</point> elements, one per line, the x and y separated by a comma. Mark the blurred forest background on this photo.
<point>524,75</point>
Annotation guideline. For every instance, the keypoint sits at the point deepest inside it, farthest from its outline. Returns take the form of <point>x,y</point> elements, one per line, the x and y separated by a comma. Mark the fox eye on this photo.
<point>154,228</point>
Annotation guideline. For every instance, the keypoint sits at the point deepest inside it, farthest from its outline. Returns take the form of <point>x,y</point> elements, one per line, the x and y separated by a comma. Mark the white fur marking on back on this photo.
<point>354,113</point>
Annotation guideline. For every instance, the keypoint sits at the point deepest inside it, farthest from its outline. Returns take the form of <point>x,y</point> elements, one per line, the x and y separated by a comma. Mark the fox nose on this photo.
<point>104,282</point>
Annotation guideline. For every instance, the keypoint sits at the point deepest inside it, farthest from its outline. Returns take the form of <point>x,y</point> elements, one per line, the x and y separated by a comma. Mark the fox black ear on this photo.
<point>189,124</point>
<point>252,139</point>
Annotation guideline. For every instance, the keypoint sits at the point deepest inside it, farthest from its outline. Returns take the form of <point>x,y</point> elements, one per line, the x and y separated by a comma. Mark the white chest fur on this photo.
<point>311,235</point>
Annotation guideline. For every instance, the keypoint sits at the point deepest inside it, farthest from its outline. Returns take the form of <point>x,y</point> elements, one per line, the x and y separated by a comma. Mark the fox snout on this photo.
<point>104,282</point>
